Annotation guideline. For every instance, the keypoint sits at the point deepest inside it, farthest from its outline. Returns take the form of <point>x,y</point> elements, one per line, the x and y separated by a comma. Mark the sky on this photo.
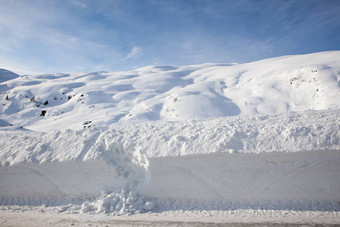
<point>51,36</point>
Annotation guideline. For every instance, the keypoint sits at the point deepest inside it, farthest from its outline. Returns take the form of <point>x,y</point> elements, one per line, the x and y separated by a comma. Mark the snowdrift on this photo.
<point>261,135</point>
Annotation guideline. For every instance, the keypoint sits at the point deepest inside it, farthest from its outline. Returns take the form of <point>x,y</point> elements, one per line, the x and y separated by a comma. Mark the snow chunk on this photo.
<point>148,206</point>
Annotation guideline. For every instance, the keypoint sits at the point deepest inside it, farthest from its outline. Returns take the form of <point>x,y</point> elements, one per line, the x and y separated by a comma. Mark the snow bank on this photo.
<point>215,164</point>
<point>294,132</point>
<point>261,135</point>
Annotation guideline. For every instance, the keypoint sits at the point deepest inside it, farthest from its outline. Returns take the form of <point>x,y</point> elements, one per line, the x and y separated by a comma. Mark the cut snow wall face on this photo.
<point>93,166</point>
<point>60,181</point>
<point>299,181</point>
<point>304,180</point>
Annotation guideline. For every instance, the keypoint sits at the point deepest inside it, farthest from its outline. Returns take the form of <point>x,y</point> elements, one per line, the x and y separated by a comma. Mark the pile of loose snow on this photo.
<point>293,132</point>
<point>262,135</point>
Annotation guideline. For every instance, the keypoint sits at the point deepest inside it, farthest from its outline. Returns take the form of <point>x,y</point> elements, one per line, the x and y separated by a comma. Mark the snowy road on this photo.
<point>238,218</point>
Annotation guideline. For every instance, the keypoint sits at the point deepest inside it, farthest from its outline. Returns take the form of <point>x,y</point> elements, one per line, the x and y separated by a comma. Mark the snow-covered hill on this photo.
<point>152,93</point>
<point>7,75</point>
<point>261,135</point>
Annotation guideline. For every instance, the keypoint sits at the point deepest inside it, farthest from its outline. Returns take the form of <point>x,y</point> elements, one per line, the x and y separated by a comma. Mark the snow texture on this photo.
<point>261,135</point>
<point>163,93</point>
<point>6,75</point>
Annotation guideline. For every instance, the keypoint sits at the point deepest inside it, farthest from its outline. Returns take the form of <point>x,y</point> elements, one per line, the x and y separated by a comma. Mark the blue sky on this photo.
<point>40,36</point>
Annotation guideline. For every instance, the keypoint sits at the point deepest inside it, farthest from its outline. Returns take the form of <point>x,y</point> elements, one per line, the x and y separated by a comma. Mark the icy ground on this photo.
<point>261,137</point>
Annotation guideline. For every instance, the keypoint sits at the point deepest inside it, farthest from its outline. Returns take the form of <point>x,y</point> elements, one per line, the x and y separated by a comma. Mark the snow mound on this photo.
<point>294,132</point>
<point>166,93</point>
<point>224,163</point>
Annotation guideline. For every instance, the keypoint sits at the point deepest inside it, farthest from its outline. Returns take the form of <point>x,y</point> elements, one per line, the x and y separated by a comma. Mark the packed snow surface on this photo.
<point>261,135</point>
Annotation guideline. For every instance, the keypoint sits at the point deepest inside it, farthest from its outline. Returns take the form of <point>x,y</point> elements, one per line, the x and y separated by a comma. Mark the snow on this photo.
<point>6,75</point>
<point>163,93</point>
<point>287,160</point>
<point>203,138</point>
<point>293,132</point>
<point>43,216</point>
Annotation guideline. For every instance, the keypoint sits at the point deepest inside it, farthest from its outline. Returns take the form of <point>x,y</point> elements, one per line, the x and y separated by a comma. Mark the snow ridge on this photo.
<point>293,132</point>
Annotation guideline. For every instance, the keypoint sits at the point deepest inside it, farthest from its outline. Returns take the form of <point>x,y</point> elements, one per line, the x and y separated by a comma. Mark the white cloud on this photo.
<point>42,37</point>
<point>78,3</point>
<point>135,51</point>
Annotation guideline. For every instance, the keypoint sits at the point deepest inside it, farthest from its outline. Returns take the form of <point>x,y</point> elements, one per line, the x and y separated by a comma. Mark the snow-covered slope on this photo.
<point>152,93</point>
<point>7,75</point>
<point>261,135</point>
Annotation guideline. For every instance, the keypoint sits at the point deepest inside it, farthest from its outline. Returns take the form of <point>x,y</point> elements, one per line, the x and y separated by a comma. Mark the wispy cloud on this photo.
<point>78,3</point>
<point>86,35</point>
<point>50,39</point>
<point>135,51</point>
